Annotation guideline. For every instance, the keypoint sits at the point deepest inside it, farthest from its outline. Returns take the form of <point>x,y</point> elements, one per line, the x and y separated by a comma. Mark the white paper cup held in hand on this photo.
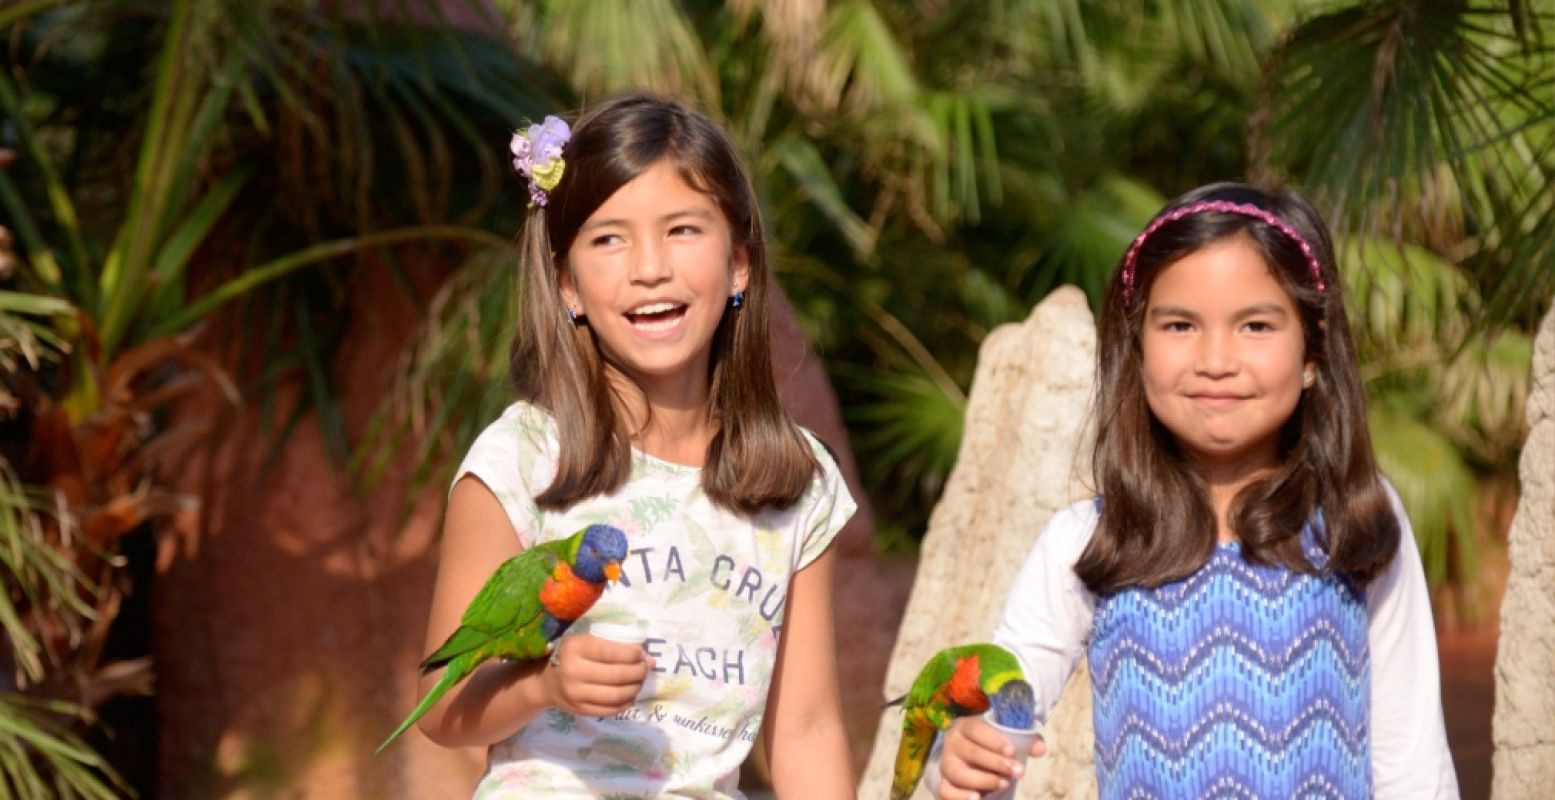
<point>1022,740</point>
<point>617,632</point>
<point>625,634</point>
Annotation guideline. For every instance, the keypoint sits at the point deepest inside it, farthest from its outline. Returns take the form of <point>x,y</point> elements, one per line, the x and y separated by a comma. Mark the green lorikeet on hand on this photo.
<point>956,682</point>
<point>525,606</point>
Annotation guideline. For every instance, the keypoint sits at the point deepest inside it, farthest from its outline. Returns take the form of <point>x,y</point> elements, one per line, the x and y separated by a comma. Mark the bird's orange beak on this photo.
<point>613,571</point>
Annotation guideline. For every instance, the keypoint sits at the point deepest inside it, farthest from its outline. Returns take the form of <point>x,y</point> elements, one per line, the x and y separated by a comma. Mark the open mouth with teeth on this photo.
<point>656,316</point>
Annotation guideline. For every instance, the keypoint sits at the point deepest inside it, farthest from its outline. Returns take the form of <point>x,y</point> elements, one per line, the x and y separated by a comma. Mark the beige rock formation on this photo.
<point>1020,461</point>
<point>1524,723</point>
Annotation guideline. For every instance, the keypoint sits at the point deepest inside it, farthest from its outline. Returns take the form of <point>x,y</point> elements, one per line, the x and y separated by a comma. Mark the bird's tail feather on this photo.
<point>455,672</point>
<point>912,753</point>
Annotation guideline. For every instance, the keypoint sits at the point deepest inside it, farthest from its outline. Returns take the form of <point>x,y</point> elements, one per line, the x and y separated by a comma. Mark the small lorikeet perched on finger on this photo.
<point>956,682</point>
<point>525,606</point>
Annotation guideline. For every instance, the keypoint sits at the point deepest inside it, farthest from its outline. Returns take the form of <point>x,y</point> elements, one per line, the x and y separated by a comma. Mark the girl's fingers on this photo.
<point>959,777</point>
<point>985,736</point>
<point>613,674</point>
<point>606,651</point>
<point>597,700</point>
<point>975,760</point>
<point>983,761</point>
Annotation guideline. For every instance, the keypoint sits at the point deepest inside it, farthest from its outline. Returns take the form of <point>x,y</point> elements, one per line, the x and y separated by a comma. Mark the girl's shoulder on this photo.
<point>824,455</point>
<point>513,449</point>
<point>522,425</point>
<point>1070,528</point>
<point>828,478</point>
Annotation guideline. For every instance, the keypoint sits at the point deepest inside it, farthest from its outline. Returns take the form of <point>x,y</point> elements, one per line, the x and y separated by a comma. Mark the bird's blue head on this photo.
<point>1014,705</point>
<point>600,554</point>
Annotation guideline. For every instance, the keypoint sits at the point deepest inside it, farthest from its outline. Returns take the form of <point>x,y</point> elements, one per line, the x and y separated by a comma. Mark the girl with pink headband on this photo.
<point>1245,584</point>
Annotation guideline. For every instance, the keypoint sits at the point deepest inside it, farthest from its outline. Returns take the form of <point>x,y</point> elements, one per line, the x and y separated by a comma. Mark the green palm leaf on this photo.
<point>605,46</point>
<point>1386,108</point>
<point>40,757</point>
<point>1083,239</point>
<point>1484,393</point>
<point>450,383</point>
<point>909,434</point>
<point>1435,485</point>
<point>1409,307</point>
<point>860,65</point>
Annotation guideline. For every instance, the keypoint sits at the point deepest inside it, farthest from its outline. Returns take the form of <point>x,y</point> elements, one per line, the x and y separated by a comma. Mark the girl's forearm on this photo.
<point>813,763</point>
<point>498,699</point>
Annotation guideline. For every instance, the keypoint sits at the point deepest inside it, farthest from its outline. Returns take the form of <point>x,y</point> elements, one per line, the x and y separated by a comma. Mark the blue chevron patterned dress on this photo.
<point>1239,681</point>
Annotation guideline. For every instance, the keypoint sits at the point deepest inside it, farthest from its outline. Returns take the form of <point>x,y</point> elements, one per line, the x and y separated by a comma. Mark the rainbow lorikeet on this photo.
<point>956,682</point>
<point>525,606</point>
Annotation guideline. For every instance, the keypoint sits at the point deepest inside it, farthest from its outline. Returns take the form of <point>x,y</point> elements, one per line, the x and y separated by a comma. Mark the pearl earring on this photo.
<point>1307,379</point>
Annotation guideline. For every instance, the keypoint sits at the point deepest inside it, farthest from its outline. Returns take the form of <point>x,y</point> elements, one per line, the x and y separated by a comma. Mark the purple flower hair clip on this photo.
<point>537,156</point>
<point>1223,207</point>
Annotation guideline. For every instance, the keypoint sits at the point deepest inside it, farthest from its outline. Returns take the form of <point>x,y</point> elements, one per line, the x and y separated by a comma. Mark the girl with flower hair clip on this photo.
<point>648,403</point>
<point>1246,585</point>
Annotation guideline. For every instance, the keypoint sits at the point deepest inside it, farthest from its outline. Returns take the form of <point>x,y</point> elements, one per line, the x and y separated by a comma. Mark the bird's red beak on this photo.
<point>613,571</point>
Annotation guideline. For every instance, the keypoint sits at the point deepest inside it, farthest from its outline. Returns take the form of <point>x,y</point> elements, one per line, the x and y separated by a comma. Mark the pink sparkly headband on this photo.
<point>1223,207</point>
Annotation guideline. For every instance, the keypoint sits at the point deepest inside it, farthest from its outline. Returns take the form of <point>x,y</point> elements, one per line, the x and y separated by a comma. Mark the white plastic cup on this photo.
<point>1022,740</point>
<point>617,632</point>
<point>625,634</point>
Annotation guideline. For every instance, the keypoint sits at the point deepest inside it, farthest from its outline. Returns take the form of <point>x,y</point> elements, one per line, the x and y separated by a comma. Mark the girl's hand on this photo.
<point>594,677</point>
<point>976,760</point>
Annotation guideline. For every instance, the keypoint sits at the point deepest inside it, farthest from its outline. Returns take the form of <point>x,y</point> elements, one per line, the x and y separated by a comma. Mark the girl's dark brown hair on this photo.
<point>758,457</point>
<point>1157,523</point>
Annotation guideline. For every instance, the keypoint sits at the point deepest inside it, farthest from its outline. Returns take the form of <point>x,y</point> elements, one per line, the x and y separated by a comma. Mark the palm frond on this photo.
<point>1371,103</point>
<point>1231,34</point>
<point>605,46</point>
<point>1086,240</point>
<point>30,340</point>
<point>805,165</point>
<point>1484,393</point>
<point>859,66</point>
<point>911,431</point>
<point>41,757</point>
<point>38,575</point>
<point>446,386</point>
<point>261,274</point>
<point>1435,485</point>
<point>1409,307</point>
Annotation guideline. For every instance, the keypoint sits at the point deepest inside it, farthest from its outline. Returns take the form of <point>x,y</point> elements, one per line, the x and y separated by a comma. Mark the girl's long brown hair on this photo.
<point>1157,523</point>
<point>758,458</point>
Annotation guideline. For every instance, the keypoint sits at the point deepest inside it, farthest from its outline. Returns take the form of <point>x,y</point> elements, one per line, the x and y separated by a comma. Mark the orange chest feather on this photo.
<point>964,687</point>
<point>565,595</point>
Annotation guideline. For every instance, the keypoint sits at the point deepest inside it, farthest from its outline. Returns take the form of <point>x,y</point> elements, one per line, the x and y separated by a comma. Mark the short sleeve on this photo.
<point>1408,738</point>
<point>513,456</point>
<point>828,506</point>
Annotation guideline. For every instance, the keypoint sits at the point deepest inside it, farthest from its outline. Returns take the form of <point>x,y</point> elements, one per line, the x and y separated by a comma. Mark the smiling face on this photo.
<point>652,270</point>
<point>1223,354</point>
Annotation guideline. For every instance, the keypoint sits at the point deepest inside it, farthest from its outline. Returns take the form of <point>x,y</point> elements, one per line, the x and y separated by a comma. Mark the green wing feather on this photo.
<point>504,620</point>
<point>506,607</point>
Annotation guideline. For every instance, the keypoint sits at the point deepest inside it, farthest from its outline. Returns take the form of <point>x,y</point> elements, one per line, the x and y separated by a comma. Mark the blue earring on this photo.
<point>737,300</point>
<point>572,316</point>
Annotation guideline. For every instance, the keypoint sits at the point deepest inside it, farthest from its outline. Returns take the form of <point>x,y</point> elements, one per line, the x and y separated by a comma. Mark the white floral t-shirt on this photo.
<point>705,584</point>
